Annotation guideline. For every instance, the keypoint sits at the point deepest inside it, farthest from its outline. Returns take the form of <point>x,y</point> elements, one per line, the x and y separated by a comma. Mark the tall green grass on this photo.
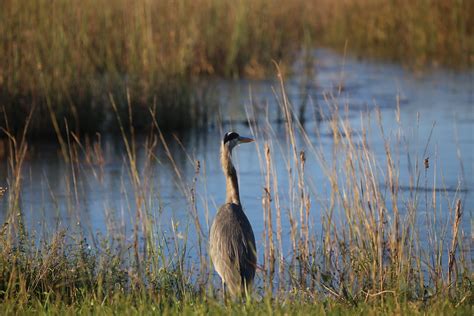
<point>64,58</point>
<point>372,254</point>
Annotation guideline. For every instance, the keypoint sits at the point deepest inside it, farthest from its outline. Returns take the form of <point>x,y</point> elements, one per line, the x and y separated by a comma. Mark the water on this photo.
<point>104,201</point>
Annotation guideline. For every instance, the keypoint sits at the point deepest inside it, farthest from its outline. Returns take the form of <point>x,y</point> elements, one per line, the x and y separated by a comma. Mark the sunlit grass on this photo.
<point>139,305</point>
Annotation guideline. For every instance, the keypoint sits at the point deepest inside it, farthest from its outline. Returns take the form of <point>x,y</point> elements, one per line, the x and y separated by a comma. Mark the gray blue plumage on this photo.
<point>231,240</point>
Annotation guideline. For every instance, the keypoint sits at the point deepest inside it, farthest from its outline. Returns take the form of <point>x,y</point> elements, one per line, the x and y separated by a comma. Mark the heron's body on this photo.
<point>232,242</point>
<point>233,248</point>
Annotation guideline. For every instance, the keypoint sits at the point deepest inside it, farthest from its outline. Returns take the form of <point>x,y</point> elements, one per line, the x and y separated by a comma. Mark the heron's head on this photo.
<point>232,139</point>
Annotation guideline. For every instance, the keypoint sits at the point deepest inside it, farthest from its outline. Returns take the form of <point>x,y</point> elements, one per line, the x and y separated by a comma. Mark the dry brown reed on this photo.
<point>452,268</point>
<point>370,248</point>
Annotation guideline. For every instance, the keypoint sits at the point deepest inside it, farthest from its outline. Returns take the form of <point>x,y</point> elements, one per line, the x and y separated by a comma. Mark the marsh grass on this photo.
<point>371,253</point>
<point>414,32</point>
<point>65,58</point>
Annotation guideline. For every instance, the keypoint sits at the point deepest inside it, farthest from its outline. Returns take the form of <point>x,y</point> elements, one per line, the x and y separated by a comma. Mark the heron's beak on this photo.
<point>245,140</point>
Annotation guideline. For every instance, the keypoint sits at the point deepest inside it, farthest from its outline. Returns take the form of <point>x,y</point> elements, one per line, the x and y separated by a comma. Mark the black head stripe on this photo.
<point>230,136</point>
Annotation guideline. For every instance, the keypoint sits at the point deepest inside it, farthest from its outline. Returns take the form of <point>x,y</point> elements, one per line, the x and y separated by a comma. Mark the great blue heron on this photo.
<point>232,243</point>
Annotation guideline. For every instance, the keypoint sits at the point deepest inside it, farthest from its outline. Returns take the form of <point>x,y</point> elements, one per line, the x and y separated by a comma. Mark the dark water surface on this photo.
<point>104,201</point>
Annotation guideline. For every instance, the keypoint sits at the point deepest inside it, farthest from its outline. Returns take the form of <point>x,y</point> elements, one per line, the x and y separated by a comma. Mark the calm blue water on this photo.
<point>105,201</point>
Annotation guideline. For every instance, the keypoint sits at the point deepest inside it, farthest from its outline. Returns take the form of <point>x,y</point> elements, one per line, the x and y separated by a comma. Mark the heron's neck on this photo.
<point>232,184</point>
